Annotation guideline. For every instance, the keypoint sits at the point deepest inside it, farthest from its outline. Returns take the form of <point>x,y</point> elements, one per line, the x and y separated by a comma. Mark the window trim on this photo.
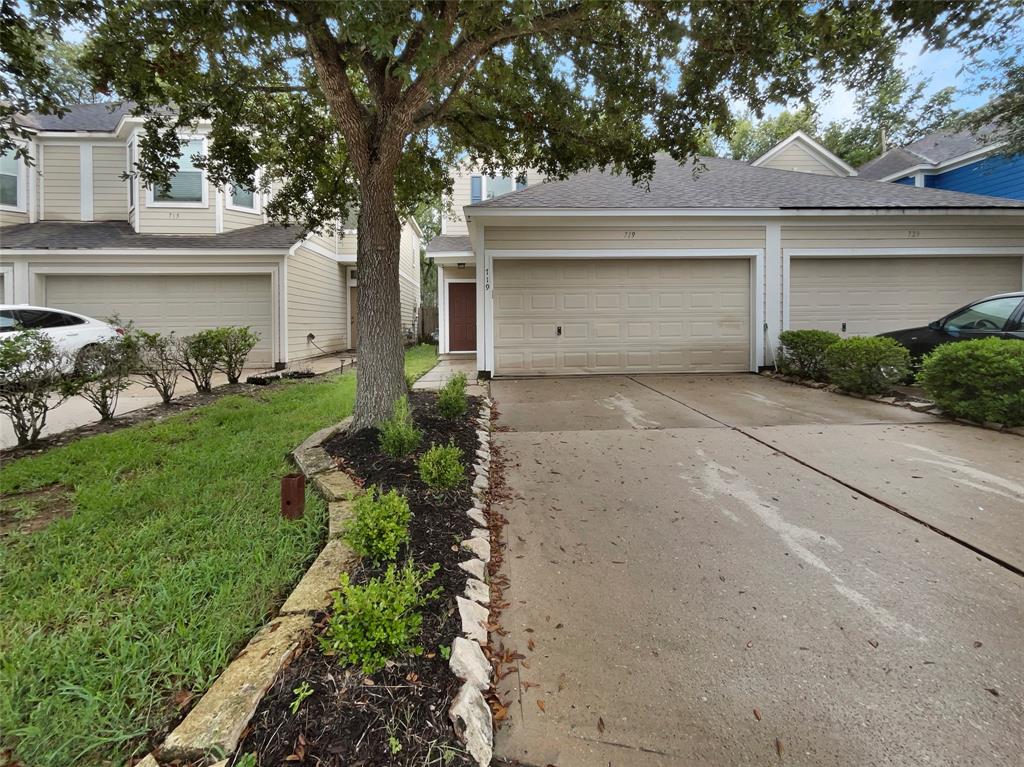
<point>205,203</point>
<point>21,188</point>
<point>257,198</point>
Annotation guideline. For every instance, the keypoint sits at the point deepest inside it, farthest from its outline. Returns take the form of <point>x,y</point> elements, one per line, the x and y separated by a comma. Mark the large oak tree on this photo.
<point>363,106</point>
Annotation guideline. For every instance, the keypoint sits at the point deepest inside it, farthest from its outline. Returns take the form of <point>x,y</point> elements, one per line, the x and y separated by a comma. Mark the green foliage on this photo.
<point>802,352</point>
<point>155,565</point>
<point>32,381</point>
<point>445,651</point>
<point>379,526</point>
<point>103,371</point>
<point>750,138</point>
<point>199,355</point>
<point>377,622</point>
<point>867,364</point>
<point>441,466</point>
<point>301,692</point>
<point>235,345</point>
<point>982,380</point>
<point>158,362</point>
<point>398,434</point>
<point>451,399</point>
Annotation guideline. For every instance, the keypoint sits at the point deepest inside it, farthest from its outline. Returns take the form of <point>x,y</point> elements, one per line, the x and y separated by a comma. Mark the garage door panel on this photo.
<point>874,295</point>
<point>181,304</point>
<point>619,315</point>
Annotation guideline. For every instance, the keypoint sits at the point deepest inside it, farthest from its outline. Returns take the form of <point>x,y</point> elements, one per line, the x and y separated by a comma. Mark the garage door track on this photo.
<point>731,570</point>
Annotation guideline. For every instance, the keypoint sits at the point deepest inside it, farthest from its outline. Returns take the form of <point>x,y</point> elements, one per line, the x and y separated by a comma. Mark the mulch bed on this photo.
<point>399,716</point>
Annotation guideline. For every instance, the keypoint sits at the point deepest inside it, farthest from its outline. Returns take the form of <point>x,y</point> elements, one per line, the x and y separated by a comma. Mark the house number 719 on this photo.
<point>628,235</point>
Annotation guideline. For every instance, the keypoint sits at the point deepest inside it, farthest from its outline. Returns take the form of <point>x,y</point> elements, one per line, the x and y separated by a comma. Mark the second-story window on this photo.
<point>12,172</point>
<point>489,187</point>
<point>242,198</point>
<point>187,185</point>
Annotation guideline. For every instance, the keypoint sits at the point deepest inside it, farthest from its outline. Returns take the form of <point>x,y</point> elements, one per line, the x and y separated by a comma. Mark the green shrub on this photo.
<point>867,365</point>
<point>33,380</point>
<point>235,345</point>
<point>451,400</point>
<point>399,435</point>
<point>375,623</point>
<point>981,380</point>
<point>199,355</point>
<point>802,352</point>
<point>379,526</point>
<point>441,466</point>
<point>106,372</point>
<point>158,362</point>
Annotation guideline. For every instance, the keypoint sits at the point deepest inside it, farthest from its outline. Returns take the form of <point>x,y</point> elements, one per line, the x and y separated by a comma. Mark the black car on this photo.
<point>999,316</point>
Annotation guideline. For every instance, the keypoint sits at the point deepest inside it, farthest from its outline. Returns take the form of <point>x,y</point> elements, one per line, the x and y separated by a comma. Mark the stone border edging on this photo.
<point>469,712</point>
<point>923,406</point>
<point>215,724</point>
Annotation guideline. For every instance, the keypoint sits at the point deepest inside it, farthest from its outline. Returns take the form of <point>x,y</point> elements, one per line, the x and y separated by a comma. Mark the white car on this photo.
<point>72,333</point>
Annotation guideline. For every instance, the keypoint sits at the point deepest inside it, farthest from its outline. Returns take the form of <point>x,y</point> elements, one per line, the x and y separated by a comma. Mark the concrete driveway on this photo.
<point>733,570</point>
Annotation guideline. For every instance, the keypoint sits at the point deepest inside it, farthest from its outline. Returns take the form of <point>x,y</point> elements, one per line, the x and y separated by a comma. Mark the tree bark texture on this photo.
<point>380,372</point>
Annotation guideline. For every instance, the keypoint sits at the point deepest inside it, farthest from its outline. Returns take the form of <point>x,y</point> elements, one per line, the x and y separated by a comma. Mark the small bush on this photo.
<point>451,400</point>
<point>158,362</point>
<point>802,352</point>
<point>981,380</point>
<point>235,345</point>
<point>32,381</point>
<point>867,365</point>
<point>199,355</point>
<point>375,623</point>
<point>106,373</point>
<point>379,526</point>
<point>399,435</point>
<point>441,466</point>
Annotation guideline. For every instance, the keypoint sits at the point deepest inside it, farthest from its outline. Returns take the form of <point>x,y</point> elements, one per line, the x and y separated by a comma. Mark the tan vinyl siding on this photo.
<point>455,221</point>
<point>347,246</point>
<point>409,278</point>
<point>12,218</point>
<point>615,238</point>
<point>236,219</point>
<point>953,232</point>
<point>798,157</point>
<point>109,190</point>
<point>62,189</point>
<point>317,304</point>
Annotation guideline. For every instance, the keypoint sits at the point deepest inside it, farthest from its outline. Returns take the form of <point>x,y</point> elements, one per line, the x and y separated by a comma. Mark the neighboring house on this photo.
<point>958,162</point>
<point>453,256</point>
<point>799,152</point>
<point>77,235</point>
<point>700,274</point>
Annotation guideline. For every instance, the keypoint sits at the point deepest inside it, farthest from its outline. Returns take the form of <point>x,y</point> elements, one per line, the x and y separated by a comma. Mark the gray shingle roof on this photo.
<point>934,149</point>
<point>67,235</point>
<point>729,184</point>
<point>448,243</point>
<point>101,118</point>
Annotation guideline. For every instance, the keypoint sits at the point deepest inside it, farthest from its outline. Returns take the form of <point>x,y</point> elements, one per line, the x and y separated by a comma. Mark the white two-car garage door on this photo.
<point>874,295</point>
<point>179,303</point>
<point>621,315</point>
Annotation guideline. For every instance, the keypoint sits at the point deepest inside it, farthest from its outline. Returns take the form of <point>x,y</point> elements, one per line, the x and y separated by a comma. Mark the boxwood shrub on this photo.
<point>867,365</point>
<point>802,352</point>
<point>982,380</point>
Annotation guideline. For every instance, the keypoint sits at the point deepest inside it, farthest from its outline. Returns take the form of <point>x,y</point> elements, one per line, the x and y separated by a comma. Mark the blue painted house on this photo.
<point>958,162</point>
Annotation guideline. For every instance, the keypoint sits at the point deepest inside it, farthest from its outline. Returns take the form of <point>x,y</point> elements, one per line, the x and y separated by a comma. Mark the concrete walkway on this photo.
<point>438,375</point>
<point>729,570</point>
<point>77,412</point>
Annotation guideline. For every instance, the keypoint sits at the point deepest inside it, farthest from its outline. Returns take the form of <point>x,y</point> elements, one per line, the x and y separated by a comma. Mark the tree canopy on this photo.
<point>366,105</point>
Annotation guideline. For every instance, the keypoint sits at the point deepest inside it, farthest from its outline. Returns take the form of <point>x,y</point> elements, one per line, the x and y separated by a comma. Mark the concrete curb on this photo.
<point>215,725</point>
<point>469,712</point>
<point>917,406</point>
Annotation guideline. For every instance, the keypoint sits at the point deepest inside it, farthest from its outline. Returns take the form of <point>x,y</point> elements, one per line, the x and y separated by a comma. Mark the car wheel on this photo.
<point>87,361</point>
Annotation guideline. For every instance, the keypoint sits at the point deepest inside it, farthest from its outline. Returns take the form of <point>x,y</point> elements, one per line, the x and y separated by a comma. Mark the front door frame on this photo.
<point>444,340</point>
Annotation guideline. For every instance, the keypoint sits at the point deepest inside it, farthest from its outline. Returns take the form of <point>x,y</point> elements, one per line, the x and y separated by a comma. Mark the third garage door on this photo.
<point>874,295</point>
<point>621,316</point>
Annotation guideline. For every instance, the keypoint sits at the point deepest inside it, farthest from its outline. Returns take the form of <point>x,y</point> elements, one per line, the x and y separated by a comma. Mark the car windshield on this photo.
<point>987,315</point>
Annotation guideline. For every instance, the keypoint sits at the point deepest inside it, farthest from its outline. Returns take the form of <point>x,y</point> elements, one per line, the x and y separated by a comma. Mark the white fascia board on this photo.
<point>819,151</point>
<point>450,257</point>
<point>201,252</point>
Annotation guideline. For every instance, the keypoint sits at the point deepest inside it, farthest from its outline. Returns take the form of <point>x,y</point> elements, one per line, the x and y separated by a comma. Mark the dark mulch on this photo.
<point>399,716</point>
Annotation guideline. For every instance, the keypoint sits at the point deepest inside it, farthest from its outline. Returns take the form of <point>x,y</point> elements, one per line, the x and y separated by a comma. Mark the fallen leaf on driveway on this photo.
<point>992,690</point>
<point>600,725</point>
<point>778,747</point>
<point>530,645</point>
<point>750,644</point>
<point>757,714</point>
<point>977,645</point>
<point>873,642</point>
<point>540,705</point>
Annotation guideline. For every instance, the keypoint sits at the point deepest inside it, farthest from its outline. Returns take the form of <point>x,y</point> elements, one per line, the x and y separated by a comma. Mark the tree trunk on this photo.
<point>380,358</point>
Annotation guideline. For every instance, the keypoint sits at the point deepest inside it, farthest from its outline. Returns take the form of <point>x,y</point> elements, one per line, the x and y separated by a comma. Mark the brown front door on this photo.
<point>461,316</point>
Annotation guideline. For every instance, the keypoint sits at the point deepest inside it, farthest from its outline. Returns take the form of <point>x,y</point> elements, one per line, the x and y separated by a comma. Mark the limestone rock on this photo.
<point>469,664</point>
<point>336,485</point>
<point>474,617</point>
<point>477,516</point>
<point>478,591</point>
<point>472,719</point>
<point>481,547</point>
<point>474,567</point>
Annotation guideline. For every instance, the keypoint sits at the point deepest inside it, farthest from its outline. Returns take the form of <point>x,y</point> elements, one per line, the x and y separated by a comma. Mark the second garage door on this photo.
<point>179,303</point>
<point>875,295</point>
<point>621,316</point>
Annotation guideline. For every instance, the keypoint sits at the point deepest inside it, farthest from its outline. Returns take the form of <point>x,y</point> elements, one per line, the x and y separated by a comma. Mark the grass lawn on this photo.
<point>173,554</point>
